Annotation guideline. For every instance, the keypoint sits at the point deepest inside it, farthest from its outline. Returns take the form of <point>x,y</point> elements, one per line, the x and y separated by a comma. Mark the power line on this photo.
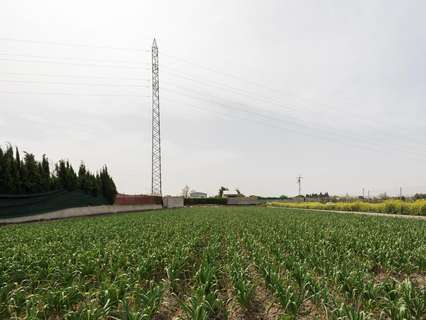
<point>258,84</point>
<point>72,94</point>
<point>74,63</point>
<point>236,90</point>
<point>395,190</point>
<point>211,82</point>
<point>300,129</point>
<point>186,60</point>
<point>207,68</point>
<point>268,117</point>
<point>216,71</point>
<point>73,83</point>
<point>403,148</point>
<point>112,77</point>
<point>68,58</point>
<point>224,115</point>
<point>139,49</point>
<point>185,77</point>
<point>66,44</point>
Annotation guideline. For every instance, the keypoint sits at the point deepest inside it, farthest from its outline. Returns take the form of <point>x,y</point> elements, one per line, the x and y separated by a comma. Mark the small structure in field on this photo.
<point>173,202</point>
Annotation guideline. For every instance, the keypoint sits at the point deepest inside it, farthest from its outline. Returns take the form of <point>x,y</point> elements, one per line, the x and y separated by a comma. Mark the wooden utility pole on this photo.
<point>299,182</point>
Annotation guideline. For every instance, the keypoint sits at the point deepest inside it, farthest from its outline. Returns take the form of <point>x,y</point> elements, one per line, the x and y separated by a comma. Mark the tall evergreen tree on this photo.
<point>45,174</point>
<point>3,172</point>
<point>108,186</point>
<point>9,184</point>
<point>19,185</point>
<point>27,175</point>
<point>33,181</point>
<point>82,178</point>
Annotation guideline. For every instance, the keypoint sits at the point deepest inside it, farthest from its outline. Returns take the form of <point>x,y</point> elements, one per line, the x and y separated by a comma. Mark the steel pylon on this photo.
<point>156,136</point>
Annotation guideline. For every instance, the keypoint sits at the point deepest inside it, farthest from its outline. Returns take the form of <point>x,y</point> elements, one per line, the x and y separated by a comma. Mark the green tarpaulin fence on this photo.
<point>22,205</point>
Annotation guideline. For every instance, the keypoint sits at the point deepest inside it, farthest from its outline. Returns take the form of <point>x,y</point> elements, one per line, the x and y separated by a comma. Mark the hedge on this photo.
<point>204,201</point>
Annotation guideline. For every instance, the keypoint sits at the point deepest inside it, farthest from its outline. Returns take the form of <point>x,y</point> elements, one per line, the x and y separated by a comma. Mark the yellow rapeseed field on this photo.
<point>417,207</point>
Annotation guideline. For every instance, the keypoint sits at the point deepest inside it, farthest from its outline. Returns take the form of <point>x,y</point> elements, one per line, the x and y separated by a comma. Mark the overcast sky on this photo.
<point>252,93</point>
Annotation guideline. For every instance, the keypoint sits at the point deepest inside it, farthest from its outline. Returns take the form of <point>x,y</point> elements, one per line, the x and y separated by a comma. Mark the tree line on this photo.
<point>25,175</point>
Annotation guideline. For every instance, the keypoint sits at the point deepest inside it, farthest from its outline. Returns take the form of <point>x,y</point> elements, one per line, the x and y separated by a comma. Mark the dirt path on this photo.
<point>79,212</point>
<point>373,214</point>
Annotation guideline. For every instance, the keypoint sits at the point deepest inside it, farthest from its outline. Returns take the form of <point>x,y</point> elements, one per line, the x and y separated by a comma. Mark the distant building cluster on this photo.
<point>197,195</point>
<point>232,195</point>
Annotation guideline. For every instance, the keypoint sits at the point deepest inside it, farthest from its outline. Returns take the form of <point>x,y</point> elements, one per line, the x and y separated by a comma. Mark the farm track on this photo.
<point>215,263</point>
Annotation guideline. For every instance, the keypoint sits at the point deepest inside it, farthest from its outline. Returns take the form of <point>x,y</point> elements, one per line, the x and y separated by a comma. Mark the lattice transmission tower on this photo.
<point>156,137</point>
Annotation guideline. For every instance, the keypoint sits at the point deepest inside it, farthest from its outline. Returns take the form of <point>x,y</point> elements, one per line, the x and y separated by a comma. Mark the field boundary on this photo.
<point>372,214</point>
<point>80,212</point>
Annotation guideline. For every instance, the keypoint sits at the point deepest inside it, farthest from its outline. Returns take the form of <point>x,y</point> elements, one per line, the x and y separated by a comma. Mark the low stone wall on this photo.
<point>80,212</point>
<point>243,201</point>
<point>173,202</point>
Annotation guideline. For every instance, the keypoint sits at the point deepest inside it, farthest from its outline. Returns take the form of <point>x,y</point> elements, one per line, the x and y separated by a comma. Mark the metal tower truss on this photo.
<point>156,137</point>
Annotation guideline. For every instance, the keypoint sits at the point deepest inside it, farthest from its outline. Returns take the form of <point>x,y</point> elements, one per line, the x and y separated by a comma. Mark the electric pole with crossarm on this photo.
<point>299,182</point>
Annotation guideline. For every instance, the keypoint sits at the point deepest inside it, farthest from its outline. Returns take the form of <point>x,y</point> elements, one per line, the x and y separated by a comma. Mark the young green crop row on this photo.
<point>215,263</point>
<point>337,276</point>
<point>417,207</point>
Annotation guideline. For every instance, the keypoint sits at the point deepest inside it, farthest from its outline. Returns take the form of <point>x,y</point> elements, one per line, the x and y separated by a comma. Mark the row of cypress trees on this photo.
<point>25,175</point>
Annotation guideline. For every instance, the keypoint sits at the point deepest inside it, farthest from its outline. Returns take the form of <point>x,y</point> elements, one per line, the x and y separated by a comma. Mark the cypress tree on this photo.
<point>2,172</point>
<point>33,181</point>
<point>28,175</point>
<point>9,184</point>
<point>45,174</point>
<point>19,184</point>
<point>82,178</point>
<point>60,170</point>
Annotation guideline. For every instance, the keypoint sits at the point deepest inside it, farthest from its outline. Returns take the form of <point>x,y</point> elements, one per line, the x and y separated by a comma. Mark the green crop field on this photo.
<point>215,263</point>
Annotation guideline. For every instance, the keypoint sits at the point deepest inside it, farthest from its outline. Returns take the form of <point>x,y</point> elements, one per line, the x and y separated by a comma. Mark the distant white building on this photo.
<point>232,195</point>
<point>196,194</point>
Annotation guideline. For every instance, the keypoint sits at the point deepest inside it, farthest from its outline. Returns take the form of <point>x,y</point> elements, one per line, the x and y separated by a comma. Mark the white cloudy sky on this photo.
<point>253,93</point>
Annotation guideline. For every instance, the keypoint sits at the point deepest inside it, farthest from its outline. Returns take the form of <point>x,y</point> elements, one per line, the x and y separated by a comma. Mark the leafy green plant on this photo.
<point>202,260</point>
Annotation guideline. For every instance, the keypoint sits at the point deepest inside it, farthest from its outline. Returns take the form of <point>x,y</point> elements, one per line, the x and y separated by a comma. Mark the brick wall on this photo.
<point>126,199</point>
